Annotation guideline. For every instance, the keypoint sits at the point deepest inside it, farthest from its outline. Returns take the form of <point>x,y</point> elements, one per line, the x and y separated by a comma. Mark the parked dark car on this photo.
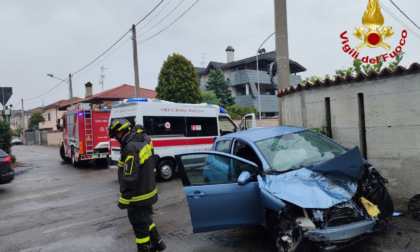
<point>299,184</point>
<point>7,174</point>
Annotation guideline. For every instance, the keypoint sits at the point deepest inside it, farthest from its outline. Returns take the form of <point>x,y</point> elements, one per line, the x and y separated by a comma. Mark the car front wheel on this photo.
<point>165,170</point>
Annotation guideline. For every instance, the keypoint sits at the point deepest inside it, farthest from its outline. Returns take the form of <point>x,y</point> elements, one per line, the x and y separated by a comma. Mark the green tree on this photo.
<point>5,136</point>
<point>219,86</point>
<point>178,81</point>
<point>210,97</point>
<point>237,112</point>
<point>35,119</point>
<point>17,131</point>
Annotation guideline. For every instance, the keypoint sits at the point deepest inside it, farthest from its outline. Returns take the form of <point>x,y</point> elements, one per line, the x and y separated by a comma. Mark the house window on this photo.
<point>49,117</point>
<point>240,90</point>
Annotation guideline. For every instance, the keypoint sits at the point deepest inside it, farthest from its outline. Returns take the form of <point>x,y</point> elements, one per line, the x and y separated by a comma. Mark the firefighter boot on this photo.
<point>143,247</point>
<point>156,242</point>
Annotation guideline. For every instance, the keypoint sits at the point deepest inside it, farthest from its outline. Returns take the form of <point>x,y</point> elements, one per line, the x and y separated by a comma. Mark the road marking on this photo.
<point>77,224</point>
<point>32,196</point>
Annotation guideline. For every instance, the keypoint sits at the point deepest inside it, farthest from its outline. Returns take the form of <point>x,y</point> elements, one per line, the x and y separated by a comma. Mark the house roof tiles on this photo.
<point>399,70</point>
<point>114,94</point>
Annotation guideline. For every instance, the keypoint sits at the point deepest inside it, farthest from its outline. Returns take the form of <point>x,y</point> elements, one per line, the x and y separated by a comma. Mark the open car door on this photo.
<point>218,196</point>
<point>248,122</point>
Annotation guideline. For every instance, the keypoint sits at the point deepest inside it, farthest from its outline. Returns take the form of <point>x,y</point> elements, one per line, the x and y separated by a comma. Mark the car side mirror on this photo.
<point>244,178</point>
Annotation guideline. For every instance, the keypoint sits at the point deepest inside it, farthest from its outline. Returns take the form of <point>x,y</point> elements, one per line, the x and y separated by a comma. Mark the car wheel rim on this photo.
<point>166,171</point>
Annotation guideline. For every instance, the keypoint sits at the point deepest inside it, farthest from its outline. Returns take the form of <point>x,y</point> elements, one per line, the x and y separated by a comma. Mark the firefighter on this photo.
<point>136,176</point>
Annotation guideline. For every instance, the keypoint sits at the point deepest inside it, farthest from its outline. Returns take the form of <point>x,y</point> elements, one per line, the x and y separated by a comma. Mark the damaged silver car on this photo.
<point>303,187</point>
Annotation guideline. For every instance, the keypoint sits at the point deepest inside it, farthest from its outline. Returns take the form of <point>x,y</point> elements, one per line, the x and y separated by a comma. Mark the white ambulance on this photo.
<point>174,127</point>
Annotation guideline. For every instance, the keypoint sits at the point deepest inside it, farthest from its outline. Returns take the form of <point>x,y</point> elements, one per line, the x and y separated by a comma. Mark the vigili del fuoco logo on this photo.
<point>375,36</point>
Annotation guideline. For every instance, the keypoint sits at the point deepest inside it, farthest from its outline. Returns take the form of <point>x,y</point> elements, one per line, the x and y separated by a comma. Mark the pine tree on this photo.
<point>219,86</point>
<point>178,81</point>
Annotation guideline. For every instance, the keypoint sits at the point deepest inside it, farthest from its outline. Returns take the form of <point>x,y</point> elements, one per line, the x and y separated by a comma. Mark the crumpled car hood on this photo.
<point>318,186</point>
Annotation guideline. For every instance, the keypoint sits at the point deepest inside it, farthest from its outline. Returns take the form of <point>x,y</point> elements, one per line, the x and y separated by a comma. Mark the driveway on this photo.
<point>52,206</point>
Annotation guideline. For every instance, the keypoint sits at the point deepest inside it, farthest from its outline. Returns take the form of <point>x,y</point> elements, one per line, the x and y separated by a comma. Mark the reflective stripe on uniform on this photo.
<point>129,167</point>
<point>124,201</point>
<point>120,164</point>
<point>143,240</point>
<point>145,153</point>
<point>152,226</point>
<point>144,196</point>
<point>138,198</point>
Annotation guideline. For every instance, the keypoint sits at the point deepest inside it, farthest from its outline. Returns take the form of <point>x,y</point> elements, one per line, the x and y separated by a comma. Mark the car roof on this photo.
<point>257,134</point>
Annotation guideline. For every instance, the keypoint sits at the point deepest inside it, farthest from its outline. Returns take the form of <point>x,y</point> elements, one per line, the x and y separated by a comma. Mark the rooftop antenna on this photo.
<point>101,81</point>
<point>202,62</point>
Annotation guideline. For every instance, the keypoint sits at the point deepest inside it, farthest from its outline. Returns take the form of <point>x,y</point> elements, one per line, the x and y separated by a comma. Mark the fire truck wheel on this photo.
<point>63,155</point>
<point>73,159</point>
<point>165,170</point>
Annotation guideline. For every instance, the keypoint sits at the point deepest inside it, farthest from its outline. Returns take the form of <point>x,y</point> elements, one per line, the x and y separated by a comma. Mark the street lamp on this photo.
<point>70,86</point>
<point>258,76</point>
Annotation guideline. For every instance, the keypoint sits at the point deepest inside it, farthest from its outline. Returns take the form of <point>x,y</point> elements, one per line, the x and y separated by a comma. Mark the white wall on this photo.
<point>392,117</point>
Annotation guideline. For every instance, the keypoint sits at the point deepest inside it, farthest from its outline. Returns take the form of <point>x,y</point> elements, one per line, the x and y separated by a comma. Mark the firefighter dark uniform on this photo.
<point>138,190</point>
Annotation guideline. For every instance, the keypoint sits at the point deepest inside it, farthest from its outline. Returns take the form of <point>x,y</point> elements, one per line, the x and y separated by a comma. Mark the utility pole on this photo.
<point>23,123</point>
<point>71,90</point>
<point>282,49</point>
<point>136,64</point>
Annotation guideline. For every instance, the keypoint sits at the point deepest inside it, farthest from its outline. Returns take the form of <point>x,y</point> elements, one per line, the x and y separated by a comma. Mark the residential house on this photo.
<point>242,77</point>
<point>51,113</point>
<point>16,117</point>
<point>114,94</point>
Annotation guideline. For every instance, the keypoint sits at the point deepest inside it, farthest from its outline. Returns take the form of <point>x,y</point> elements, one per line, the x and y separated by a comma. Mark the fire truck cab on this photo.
<point>173,127</point>
<point>85,135</point>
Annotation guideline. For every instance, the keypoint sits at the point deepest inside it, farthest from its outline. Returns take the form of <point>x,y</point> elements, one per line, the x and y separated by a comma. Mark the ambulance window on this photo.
<point>226,125</point>
<point>164,125</point>
<point>201,126</point>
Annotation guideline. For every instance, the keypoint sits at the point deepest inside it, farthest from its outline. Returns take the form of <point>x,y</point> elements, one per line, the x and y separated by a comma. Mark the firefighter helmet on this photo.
<point>118,125</point>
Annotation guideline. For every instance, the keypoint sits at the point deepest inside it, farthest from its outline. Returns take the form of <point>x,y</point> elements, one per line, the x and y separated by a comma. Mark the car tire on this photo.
<point>165,170</point>
<point>63,155</point>
<point>73,159</point>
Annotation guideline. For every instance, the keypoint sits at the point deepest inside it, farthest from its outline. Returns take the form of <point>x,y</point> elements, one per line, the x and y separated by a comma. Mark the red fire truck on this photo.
<point>84,134</point>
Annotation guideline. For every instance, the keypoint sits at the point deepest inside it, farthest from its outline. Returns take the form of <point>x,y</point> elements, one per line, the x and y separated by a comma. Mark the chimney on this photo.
<point>88,90</point>
<point>230,54</point>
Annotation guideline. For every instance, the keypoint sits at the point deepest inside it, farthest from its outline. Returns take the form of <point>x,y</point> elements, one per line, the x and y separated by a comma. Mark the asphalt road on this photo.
<point>53,206</point>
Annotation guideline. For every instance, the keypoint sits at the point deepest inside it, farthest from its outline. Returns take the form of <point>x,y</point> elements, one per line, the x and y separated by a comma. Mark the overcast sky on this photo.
<point>62,37</point>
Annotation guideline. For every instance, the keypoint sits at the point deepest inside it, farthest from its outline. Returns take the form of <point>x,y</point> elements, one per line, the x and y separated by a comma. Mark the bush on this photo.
<point>13,157</point>
<point>237,112</point>
<point>323,130</point>
<point>5,136</point>
<point>17,131</point>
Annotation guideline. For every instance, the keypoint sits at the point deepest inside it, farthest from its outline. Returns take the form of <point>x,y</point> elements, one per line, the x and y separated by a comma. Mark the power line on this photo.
<point>399,20</point>
<point>117,40</point>
<point>47,91</point>
<point>404,14</point>
<point>144,40</point>
<point>157,14</point>
<point>149,13</point>
<point>123,43</point>
<point>161,19</point>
